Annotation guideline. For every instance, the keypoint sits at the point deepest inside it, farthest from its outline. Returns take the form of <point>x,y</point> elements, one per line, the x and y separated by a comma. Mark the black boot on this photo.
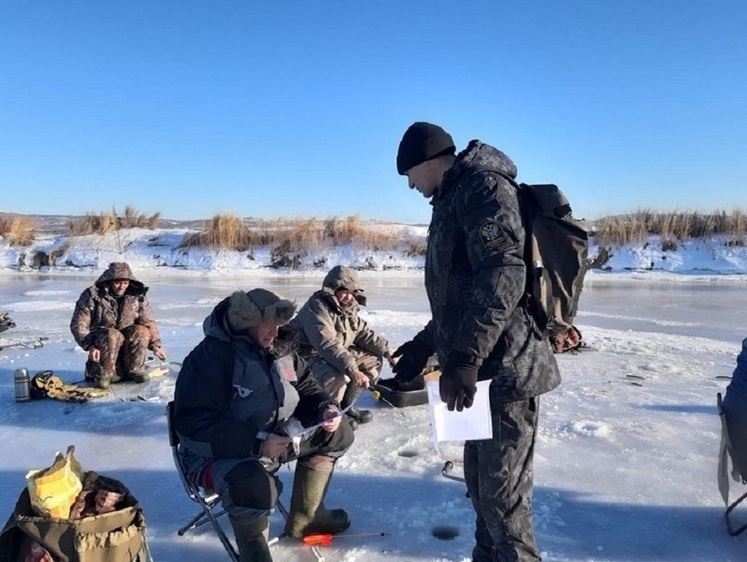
<point>356,415</point>
<point>251,538</point>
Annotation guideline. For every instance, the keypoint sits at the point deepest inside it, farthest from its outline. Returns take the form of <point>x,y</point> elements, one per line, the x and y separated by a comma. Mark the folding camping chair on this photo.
<point>725,452</point>
<point>205,499</point>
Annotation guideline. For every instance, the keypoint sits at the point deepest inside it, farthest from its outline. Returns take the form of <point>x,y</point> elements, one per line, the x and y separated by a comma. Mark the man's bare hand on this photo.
<point>391,359</point>
<point>160,353</point>
<point>274,446</point>
<point>333,415</point>
<point>360,379</point>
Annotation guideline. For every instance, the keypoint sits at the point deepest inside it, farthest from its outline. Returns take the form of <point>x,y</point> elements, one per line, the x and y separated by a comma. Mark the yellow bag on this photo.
<point>53,490</point>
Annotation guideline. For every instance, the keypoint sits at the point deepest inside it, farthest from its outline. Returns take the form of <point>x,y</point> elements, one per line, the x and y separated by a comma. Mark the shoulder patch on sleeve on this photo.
<point>492,236</point>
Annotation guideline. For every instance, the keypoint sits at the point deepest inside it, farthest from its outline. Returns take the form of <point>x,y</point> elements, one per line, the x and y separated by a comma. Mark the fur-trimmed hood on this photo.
<point>121,270</point>
<point>342,277</point>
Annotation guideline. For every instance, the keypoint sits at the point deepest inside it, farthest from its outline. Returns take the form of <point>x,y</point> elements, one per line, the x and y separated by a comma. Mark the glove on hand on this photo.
<point>458,381</point>
<point>413,356</point>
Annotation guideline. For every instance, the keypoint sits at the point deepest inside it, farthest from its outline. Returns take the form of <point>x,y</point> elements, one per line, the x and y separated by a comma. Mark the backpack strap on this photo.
<point>528,301</point>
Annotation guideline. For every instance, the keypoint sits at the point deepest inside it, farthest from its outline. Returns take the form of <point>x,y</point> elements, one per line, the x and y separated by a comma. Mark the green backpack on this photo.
<point>555,252</point>
<point>117,536</point>
<point>556,255</point>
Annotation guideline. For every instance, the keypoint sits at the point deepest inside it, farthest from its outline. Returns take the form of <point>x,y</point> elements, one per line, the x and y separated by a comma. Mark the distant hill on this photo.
<point>59,224</point>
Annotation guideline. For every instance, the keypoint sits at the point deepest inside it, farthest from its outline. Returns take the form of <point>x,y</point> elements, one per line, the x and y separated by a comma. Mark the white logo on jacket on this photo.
<point>241,391</point>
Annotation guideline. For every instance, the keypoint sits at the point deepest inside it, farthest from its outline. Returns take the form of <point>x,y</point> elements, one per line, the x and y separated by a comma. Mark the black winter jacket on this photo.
<point>230,389</point>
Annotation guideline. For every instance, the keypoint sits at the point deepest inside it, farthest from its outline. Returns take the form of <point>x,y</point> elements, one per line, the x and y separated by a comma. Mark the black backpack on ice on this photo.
<point>6,321</point>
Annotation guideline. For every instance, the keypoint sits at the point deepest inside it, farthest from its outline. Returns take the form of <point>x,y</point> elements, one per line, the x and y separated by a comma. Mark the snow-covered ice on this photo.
<point>626,455</point>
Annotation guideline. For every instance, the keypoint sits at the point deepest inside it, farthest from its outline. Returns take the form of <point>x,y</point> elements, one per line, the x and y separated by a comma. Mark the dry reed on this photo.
<point>104,223</point>
<point>636,227</point>
<point>18,229</point>
<point>292,239</point>
<point>224,230</point>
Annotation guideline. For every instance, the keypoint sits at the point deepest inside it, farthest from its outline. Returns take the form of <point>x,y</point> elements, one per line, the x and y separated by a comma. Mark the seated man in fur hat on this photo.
<point>344,354</point>
<point>114,322</point>
<point>241,395</point>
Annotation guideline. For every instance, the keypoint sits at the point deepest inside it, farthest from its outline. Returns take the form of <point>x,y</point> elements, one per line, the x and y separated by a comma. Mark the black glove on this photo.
<point>458,381</point>
<point>413,355</point>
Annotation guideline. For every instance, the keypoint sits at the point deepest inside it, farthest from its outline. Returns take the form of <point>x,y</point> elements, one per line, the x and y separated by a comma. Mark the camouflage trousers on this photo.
<point>499,477</point>
<point>335,382</point>
<point>122,352</point>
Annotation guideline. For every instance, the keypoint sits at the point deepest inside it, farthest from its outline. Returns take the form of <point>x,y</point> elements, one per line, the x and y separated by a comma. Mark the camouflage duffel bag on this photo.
<point>115,536</point>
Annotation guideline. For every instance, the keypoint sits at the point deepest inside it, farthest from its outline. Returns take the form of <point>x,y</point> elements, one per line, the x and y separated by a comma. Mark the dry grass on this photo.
<point>636,227</point>
<point>291,240</point>
<point>104,223</point>
<point>226,231</point>
<point>133,219</point>
<point>352,230</point>
<point>18,229</point>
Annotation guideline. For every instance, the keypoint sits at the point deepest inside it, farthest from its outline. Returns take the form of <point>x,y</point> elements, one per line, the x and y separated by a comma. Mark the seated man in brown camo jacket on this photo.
<point>113,321</point>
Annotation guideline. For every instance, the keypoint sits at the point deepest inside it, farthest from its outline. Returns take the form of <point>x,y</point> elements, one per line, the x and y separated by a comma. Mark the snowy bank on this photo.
<point>160,252</point>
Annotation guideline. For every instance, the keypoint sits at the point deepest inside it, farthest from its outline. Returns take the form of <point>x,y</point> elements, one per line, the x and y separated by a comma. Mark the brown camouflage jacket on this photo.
<point>98,308</point>
<point>329,330</point>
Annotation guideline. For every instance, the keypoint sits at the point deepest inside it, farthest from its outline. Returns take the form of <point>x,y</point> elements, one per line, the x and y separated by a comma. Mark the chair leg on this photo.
<point>282,510</point>
<point>196,521</point>
<point>734,532</point>
<point>232,553</point>
<point>207,515</point>
<point>201,518</point>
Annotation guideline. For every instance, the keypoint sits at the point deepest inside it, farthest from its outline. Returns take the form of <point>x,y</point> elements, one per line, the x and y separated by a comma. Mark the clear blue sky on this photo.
<point>296,108</point>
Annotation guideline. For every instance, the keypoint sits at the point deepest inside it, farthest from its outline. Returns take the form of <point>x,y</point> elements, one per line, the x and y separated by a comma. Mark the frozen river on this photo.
<point>680,307</point>
<point>627,448</point>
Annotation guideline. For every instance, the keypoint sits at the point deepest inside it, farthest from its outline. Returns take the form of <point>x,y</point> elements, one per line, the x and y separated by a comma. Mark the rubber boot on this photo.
<point>307,512</point>
<point>352,393</point>
<point>251,538</point>
<point>139,376</point>
<point>93,370</point>
<point>105,380</point>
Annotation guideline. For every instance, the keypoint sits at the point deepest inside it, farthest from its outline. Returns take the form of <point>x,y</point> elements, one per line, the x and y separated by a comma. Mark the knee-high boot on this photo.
<point>307,512</point>
<point>352,393</point>
<point>251,538</point>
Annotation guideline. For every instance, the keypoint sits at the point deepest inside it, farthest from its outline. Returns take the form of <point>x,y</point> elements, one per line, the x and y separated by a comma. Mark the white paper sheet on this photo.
<point>471,423</point>
<point>293,427</point>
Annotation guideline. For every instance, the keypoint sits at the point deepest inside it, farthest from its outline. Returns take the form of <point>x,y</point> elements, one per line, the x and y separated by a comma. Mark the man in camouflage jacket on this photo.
<point>114,322</point>
<point>480,329</point>
<point>344,354</point>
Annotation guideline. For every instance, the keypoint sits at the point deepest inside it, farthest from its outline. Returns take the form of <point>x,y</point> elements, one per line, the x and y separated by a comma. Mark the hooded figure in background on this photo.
<point>114,322</point>
<point>242,394</point>
<point>344,354</point>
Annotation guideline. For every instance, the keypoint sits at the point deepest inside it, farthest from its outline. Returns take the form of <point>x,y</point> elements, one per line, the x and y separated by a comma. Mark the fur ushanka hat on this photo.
<point>258,306</point>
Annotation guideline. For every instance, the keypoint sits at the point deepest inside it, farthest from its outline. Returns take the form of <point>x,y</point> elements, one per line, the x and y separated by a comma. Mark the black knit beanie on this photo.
<point>422,141</point>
